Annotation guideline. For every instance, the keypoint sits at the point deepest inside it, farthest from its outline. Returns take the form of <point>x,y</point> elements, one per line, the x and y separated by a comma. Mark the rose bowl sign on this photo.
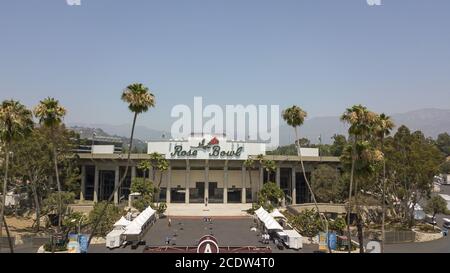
<point>208,244</point>
<point>206,147</point>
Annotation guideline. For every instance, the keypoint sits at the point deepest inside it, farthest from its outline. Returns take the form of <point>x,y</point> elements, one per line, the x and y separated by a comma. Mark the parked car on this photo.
<point>430,219</point>
<point>446,223</point>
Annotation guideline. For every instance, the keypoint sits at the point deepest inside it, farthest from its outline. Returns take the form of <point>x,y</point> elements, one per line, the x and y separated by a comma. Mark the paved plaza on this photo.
<point>186,231</point>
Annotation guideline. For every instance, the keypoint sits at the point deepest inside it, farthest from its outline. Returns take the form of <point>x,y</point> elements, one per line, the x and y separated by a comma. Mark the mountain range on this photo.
<point>430,121</point>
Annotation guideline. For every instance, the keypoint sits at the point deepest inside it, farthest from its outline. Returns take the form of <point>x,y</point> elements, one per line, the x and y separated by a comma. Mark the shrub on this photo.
<point>111,215</point>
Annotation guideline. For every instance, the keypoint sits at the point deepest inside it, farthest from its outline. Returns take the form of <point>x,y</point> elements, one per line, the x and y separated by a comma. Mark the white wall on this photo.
<point>103,149</point>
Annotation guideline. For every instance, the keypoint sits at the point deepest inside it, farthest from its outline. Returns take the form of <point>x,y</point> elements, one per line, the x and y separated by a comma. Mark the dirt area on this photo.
<point>19,225</point>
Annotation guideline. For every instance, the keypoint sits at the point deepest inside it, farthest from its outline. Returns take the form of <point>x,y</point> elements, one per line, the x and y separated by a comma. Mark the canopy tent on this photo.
<point>140,222</point>
<point>269,222</point>
<point>277,214</point>
<point>122,222</point>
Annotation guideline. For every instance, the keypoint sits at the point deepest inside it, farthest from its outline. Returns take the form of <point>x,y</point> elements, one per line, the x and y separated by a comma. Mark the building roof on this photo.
<point>267,157</point>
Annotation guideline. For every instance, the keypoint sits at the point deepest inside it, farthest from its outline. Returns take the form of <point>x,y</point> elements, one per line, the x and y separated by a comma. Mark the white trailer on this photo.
<point>447,198</point>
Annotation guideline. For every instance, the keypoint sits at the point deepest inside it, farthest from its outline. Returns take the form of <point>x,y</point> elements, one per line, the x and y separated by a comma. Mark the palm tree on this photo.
<point>270,167</point>
<point>249,165</point>
<point>50,114</point>
<point>139,100</point>
<point>295,117</point>
<point>361,122</point>
<point>162,165</point>
<point>15,123</point>
<point>384,126</point>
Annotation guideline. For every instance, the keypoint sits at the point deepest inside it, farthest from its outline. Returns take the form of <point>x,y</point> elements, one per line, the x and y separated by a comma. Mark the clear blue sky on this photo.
<point>322,55</point>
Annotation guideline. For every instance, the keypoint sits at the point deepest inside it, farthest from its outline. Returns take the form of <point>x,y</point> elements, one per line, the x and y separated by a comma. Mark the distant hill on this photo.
<point>88,132</point>
<point>431,122</point>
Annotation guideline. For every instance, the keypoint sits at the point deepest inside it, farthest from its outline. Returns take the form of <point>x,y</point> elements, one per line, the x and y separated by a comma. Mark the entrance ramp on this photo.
<point>210,210</point>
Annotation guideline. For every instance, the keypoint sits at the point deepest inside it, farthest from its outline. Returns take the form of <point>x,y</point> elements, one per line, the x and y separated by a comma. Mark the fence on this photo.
<point>394,237</point>
<point>25,241</point>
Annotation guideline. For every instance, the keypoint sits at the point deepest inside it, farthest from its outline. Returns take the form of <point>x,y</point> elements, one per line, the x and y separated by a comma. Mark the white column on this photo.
<point>293,186</point>
<point>116,183</point>
<point>225,183</point>
<point>244,188</point>
<point>96,178</point>
<point>83,183</point>
<point>278,177</point>
<point>133,172</point>
<point>187,183</point>
<point>261,178</point>
<point>207,180</point>
<point>169,182</point>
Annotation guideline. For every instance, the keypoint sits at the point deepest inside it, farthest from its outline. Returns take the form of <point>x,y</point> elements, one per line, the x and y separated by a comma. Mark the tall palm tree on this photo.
<point>384,126</point>
<point>361,122</point>
<point>162,166</point>
<point>140,100</point>
<point>270,167</point>
<point>295,117</point>
<point>15,123</point>
<point>249,165</point>
<point>50,114</point>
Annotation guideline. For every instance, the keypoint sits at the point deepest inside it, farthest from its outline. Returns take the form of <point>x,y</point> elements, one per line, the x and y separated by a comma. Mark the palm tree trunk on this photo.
<point>359,223</point>
<point>313,197</point>
<point>2,211</point>
<point>94,229</point>
<point>250,179</point>
<point>11,247</point>
<point>350,199</point>
<point>159,185</point>
<point>37,206</point>
<point>58,184</point>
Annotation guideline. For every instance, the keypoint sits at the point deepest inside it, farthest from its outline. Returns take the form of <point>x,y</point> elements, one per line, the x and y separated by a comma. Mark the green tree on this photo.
<point>295,117</point>
<point>411,162</point>
<point>443,142</point>
<point>339,143</point>
<point>50,114</point>
<point>361,122</point>
<point>33,163</point>
<point>103,217</point>
<point>383,127</point>
<point>57,204</point>
<point>139,100</point>
<point>437,205</point>
<point>270,196</point>
<point>308,223</point>
<point>325,182</point>
<point>147,191</point>
<point>15,124</point>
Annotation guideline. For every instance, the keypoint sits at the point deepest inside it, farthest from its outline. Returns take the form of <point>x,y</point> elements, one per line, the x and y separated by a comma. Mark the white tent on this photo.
<point>139,224</point>
<point>269,222</point>
<point>122,223</point>
<point>277,214</point>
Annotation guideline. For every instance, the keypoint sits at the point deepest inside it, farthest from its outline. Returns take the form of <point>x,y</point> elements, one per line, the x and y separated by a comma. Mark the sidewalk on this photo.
<point>210,210</point>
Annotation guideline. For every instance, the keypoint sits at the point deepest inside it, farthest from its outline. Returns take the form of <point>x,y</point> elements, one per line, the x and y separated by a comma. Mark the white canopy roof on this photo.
<point>277,214</point>
<point>269,222</point>
<point>122,222</point>
<point>135,227</point>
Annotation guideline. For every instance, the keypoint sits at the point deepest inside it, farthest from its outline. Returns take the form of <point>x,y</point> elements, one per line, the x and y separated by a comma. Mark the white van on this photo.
<point>430,219</point>
<point>446,223</point>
